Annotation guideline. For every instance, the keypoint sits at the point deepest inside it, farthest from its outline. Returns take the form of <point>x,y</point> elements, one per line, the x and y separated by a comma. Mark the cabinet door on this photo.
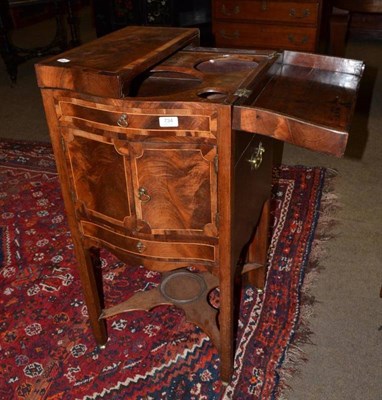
<point>100,178</point>
<point>175,188</point>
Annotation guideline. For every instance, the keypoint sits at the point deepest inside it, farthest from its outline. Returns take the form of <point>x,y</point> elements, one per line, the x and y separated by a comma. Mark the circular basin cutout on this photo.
<point>226,65</point>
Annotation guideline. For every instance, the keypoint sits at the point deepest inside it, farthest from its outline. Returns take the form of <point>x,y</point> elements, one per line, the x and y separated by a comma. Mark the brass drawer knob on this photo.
<point>303,40</point>
<point>257,157</point>
<point>141,247</point>
<point>122,121</point>
<point>143,196</point>
<point>305,13</point>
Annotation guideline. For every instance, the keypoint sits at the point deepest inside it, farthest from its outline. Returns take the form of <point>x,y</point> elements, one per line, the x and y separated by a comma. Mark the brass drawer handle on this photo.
<point>305,13</point>
<point>143,196</point>
<point>257,157</point>
<point>122,121</point>
<point>236,10</point>
<point>141,247</point>
<point>225,35</point>
<point>293,40</point>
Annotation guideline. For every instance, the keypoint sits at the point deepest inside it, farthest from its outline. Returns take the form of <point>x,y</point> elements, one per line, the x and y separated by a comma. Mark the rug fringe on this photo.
<point>295,356</point>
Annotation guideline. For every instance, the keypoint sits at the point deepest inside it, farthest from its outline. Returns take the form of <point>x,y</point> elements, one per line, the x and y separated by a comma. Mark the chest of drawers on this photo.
<point>164,153</point>
<point>274,24</point>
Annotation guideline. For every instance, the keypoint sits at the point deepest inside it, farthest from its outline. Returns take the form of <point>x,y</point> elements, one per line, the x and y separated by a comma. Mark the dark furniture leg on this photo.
<point>73,24</point>
<point>256,266</point>
<point>339,21</point>
<point>92,289</point>
<point>6,49</point>
<point>13,55</point>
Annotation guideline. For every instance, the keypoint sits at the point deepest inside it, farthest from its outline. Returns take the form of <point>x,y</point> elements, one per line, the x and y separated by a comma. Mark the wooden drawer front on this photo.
<point>265,36</point>
<point>155,250</point>
<point>102,116</point>
<point>268,11</point>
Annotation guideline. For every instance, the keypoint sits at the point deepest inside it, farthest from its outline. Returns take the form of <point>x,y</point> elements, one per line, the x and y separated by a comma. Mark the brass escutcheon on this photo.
<point>257,157</point>
<point>143,196</point>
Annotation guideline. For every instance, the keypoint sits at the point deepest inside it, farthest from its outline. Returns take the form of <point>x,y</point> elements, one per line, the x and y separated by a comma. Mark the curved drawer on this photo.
<point>154,250</point>
<point>86,115</point>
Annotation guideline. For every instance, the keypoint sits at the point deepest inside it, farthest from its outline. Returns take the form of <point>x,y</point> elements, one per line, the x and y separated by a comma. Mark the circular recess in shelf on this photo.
<point>183,287</point>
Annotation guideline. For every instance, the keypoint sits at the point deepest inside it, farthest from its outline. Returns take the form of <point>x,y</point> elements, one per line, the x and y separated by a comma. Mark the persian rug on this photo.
<point>47,350</point>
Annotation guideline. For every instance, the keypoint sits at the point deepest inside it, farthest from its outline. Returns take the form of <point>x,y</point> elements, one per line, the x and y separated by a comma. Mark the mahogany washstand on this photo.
<point>164,153</point>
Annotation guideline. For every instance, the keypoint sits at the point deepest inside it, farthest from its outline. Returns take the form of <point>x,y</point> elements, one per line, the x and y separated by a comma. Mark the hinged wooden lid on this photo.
<point>104,67</point>
<point>309,102</point>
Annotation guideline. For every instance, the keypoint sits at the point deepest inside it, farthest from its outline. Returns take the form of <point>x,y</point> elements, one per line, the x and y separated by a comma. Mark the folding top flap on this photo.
<point>106,66</point>
<point>309,101</point>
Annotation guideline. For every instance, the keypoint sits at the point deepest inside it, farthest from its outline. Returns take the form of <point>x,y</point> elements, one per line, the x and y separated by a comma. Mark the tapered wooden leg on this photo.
<point>226,321</point>
<point>88,259</point>
<point>227,264</point>
<point>256,267</point>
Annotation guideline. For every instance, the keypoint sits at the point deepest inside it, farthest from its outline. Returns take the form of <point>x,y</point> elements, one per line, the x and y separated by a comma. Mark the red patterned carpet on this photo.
<point>46,348</point>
